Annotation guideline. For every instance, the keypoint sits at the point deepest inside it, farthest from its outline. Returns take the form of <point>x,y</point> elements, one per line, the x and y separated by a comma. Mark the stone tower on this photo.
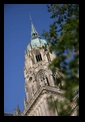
<point>40,85</point>
<point>39,79</point>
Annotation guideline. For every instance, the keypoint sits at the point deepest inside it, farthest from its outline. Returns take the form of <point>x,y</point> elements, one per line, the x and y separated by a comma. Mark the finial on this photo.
<point>30,17</point>
<point>34,33</point>
<point>18,109</point>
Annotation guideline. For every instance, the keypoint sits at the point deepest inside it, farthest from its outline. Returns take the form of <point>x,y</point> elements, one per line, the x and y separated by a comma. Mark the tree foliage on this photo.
<point>63,39</point>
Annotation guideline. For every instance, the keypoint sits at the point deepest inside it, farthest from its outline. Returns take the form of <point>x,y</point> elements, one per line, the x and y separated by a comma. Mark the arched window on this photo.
<point>38,56</point>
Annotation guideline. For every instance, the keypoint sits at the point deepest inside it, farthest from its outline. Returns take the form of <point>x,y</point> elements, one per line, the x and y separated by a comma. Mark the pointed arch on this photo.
<point>42,78</point>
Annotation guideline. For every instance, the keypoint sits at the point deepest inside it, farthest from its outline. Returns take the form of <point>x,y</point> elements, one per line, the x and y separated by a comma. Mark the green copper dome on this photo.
<point>35,39</point>
<point>36,43</point>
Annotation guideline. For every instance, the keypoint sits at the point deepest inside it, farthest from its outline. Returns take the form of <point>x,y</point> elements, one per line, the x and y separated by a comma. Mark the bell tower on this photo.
<point>39,79</point>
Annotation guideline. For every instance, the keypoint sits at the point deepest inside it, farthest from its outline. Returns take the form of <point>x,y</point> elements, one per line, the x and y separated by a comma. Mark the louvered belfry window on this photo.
<point>38,56</point>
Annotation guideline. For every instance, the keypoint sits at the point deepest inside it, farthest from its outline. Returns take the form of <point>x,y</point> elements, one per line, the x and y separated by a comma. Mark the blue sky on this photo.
<point>17,34</point>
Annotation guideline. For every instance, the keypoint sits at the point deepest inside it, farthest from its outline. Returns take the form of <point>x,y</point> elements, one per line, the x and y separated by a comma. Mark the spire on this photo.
<point>34,33</point>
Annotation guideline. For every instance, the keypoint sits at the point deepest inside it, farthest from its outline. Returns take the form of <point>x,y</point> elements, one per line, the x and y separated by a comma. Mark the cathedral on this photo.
<point>40,80</point>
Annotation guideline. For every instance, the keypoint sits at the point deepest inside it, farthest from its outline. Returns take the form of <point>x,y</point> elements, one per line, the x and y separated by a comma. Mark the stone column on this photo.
<point>37,113</point>
<point>46,107</point>
<point>40,111</point>
<point>43,109</point>
<point>34,113</point>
